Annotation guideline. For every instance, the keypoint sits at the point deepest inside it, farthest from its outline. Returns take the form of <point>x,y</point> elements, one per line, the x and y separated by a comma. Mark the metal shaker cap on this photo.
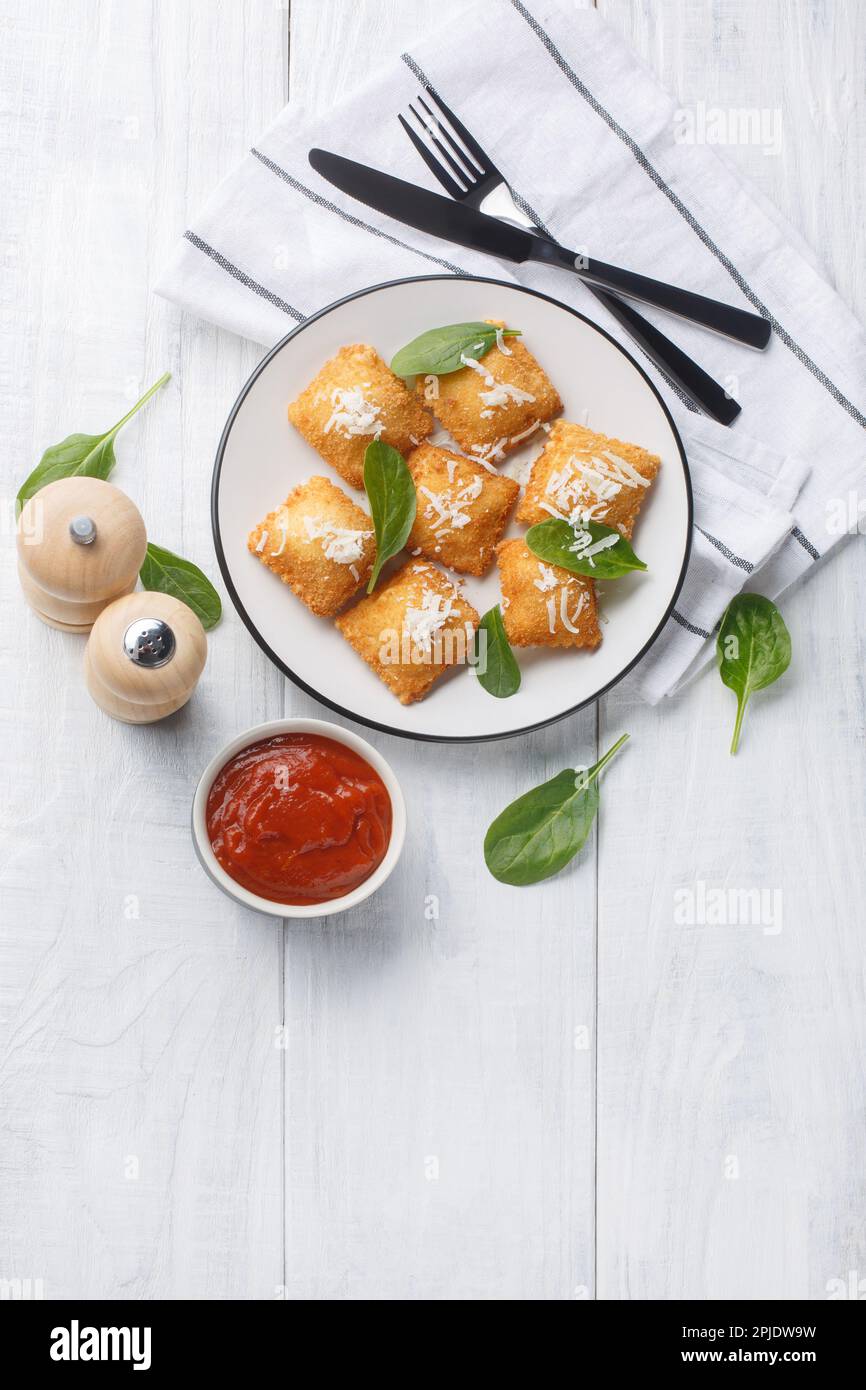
<point>149,642</point>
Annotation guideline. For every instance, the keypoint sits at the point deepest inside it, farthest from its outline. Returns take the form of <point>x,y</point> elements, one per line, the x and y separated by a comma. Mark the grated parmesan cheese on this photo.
<point>422,624</point>
<point>476,366</point>
<point>284,530</point>
<point>484,453</point>
<point>524,434</point>
<point>586,547</point>
<point>548,579</point>
<point>353,414</point>
<point>339,543</point>
<point>499,396</point>
<point>567,620</point>
<point>447,509</point>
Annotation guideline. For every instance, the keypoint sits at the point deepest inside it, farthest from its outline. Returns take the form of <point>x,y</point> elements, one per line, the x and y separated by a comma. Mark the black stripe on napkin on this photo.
<point>805,543</point>
<point>241,275</point>
<point>728,554</point>
<point>689,627</point>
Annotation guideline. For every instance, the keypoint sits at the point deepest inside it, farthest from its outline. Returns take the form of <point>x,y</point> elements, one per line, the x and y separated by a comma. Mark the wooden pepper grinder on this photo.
<point>81,544</point>
<point>144,657</point>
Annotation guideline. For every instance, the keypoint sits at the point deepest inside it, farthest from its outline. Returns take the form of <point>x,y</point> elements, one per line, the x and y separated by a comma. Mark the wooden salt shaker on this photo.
<point>144,657</point>
<point>81,543</point>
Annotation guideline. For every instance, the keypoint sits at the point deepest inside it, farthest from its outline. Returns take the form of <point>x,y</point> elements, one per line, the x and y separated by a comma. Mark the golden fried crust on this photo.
<point>539,601</point>
<point>356,391</point>
<point>386,629</point>
<point>316,522</point>
<point>492,430</point>
<point>462,509</point>
<point>575,470</point>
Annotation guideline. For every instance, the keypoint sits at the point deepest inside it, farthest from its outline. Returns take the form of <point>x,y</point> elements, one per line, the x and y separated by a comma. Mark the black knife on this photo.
<point>453,221</point>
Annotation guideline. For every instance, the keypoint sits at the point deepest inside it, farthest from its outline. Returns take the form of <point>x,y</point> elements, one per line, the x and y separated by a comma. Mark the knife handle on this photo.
<point>739,324</point>
<point>692,380</point>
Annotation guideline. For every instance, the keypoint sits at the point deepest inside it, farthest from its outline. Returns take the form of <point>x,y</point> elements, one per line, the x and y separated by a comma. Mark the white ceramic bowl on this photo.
<point>214,869</point>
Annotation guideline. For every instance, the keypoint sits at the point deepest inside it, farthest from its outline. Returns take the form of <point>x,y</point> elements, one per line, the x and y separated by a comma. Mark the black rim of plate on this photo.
<point>332,704</point>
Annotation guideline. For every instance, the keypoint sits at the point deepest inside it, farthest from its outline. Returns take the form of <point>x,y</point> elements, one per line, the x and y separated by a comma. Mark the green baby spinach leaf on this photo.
<point>81,455</point>
<point>391,493</point>
<point>495,664</point>
<point>753,649</point>
<point>591,549</point>
<point>171,574</point>
<point>540,832</point>
<point>441,350</point>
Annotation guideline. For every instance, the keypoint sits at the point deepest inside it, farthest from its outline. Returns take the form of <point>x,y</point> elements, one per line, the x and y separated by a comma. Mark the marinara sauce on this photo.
<point>298,818</point>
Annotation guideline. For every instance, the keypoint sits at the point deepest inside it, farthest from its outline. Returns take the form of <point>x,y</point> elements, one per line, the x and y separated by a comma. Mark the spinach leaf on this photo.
<point>753,648</point>
<point>495,665</point>
<point>391,491</point>
<point>439,350</point>
<point>80,455</point>
<point>573,548</point>
<point>171,574</point>
<point>540,832</point>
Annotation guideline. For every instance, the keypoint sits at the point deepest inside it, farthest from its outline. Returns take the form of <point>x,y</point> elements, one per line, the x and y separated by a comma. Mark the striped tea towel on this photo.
<point>600,155</point>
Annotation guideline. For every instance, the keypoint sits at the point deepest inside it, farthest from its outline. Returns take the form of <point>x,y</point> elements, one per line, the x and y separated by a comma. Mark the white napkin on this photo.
<point>594,147</point>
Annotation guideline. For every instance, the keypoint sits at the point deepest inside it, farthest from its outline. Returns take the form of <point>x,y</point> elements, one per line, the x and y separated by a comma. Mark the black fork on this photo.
<point>468,174</point>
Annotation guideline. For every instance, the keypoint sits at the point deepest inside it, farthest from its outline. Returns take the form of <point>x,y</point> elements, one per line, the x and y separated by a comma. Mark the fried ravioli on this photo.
<point>544,605</point>
<point>462,509</point>
<point>494,404</point>
<point>411,629</point>
<point>585,476</point>
<point>319,543</point>
<point>354,399</point>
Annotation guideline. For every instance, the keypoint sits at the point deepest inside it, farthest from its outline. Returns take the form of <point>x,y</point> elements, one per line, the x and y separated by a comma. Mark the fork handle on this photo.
<point>739,324</point>
<point>692,380</point>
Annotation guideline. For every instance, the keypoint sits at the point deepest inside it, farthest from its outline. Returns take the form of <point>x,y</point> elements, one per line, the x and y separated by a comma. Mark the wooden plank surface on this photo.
<point>731,1147</point>
<point>140,1084</point>
<point>402,1105</point>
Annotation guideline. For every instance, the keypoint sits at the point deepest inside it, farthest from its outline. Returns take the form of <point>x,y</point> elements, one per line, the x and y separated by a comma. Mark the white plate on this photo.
<point>261,458</point>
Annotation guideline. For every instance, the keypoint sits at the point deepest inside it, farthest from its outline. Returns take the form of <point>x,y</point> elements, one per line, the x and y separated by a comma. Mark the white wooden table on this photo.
<point>463,1091</point>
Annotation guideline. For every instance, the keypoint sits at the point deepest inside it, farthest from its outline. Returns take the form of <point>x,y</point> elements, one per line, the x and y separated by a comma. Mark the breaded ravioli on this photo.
<point>544,605</point>
<point>462,509</point>
<point>495,403</point>
<point>585,476</point>
<point>354,399</point>
<point>411,629</point>
<point>320,543</point>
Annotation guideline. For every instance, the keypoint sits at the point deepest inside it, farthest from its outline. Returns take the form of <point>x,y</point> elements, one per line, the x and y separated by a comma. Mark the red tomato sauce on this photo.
<point>298,818</point>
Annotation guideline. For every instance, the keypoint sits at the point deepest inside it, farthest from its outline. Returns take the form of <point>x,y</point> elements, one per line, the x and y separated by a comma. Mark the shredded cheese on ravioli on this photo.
<point>486,453</point>
<point>423,623</point>
<point>475,366</point>
<point>548,579</point>
<point>499,396</point>
<point>353,414</point>
<point>339,543</point>
<point>567,620</point>
<point>447,509</point>
<point>582,488</point>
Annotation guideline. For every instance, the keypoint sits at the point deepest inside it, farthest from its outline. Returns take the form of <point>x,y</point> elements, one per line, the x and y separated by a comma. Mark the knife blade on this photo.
<point>457,222</point>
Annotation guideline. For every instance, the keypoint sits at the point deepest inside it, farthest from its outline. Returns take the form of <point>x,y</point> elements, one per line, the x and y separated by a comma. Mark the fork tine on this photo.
<point>432,162</point>
<point>472,145</point>
<point>446,135</point>
<point>465,171</point>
